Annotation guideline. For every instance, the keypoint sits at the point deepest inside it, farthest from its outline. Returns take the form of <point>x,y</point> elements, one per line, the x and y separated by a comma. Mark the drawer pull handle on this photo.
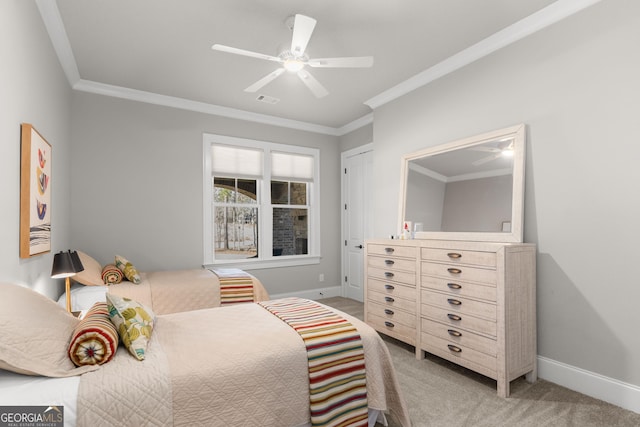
<point>454,286</point>
<point>389,261</point>
<point>454,348</point>
<point>454,317</point>
<point>389,287</point>
<point>454,333</point>
<point>388,274</point>
<point>454,301</point>
<point>454,270</point>
<point>389,250</point>
<point>389,299</point>
<point>389,312</point>
<point>389,324</point>
<point>454,255</point>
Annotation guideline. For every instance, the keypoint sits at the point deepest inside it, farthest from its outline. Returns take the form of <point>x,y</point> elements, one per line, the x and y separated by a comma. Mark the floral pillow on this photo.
<point>95,339</point>
<point>129,271</point>
<point>134,323</point>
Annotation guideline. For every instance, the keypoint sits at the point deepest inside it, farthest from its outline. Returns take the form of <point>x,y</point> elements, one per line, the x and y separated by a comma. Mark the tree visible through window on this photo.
<point>235,218</point>
<point>262,202</point>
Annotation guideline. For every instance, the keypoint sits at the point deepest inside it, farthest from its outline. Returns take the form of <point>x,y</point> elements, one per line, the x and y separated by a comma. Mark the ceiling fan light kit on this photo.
<point>295,59</point>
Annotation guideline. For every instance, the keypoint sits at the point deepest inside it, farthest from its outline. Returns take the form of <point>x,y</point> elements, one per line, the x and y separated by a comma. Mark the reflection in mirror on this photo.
<point>467,190</point>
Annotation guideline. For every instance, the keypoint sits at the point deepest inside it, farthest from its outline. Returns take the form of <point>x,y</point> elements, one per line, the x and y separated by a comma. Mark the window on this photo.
<point>261,203</point>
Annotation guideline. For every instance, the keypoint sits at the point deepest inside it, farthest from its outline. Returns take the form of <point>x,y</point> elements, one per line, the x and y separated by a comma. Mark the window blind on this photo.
<point>291,167</point>
<point>236,161</point>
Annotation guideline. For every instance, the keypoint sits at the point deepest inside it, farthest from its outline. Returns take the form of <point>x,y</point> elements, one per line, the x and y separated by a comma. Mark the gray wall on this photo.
<point>137,187</point>
<point>576,86</point>
<point>33,89</point>
<point>478,204</point>
<point>356,138</point>
<point>425,201</point>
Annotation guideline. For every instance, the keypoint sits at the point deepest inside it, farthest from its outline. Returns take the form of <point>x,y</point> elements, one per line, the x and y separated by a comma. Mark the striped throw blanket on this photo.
<point>337,381</point>
<point>236,286</point>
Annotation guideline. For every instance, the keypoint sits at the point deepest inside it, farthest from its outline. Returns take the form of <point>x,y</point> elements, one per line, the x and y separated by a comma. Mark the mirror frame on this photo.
<point>518,133</point>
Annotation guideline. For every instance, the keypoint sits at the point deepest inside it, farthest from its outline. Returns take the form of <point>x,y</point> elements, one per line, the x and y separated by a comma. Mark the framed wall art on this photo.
<point>35,193</point>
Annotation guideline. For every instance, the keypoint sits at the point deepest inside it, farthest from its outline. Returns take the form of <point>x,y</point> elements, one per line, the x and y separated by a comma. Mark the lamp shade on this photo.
<point>62,266</point>
<point>75,260</point>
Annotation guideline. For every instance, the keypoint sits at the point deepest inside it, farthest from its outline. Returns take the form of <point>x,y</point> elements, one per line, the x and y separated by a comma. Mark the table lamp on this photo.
<point>65,265</point>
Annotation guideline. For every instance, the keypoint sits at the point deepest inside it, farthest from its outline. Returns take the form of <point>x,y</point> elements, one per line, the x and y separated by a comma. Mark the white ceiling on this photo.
<point>160,50</point>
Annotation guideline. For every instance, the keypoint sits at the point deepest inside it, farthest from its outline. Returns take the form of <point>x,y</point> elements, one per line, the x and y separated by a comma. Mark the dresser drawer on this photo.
<point>459,272</point>
<point>390,301</point>
<point>485,259</point>
<point>465,356</point>
<point>392,289</point>
<point>460,288</point>
<point>458,304</point>
<point>460,320</point>
<point>460,337</point>
<point>392,314</point>
<point>408,278</point>
<point>393,329</point>
<point>392,250</point>
<point>392,264</point>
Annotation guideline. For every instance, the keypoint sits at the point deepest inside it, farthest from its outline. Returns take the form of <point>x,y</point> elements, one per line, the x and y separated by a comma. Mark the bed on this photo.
<point>235,365</point>
<point>164,291</point>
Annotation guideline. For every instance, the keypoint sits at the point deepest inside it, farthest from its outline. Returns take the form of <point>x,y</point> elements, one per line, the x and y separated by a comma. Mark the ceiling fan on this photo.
<point>504,148</point>
<point>295,59</point>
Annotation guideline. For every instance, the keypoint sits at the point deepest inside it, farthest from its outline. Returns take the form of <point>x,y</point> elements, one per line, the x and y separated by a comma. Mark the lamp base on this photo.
<point>67,290</point>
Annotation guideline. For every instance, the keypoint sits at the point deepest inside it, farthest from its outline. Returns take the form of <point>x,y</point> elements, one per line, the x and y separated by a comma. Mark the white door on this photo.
<point>356,220</point>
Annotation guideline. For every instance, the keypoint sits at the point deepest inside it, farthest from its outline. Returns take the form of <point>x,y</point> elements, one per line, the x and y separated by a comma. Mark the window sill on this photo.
<point>270,263</point>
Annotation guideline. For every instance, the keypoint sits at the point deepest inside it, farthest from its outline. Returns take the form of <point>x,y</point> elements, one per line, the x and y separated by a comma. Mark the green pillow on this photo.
<point>134,323</point>
<point>128,269</point>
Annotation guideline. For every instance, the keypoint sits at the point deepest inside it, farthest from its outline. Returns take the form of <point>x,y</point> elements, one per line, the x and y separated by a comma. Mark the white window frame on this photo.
<point>265,219</point>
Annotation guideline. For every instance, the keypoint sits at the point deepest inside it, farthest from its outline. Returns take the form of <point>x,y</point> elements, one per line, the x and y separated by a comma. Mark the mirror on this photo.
<point>470,189</point>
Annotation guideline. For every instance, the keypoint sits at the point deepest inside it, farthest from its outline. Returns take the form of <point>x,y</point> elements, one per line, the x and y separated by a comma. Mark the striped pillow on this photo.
<point>95,340</point>
<point>111,274</point>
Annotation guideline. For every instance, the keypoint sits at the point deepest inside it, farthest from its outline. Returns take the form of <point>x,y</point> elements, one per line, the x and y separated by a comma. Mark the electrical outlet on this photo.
<point>321,278</point>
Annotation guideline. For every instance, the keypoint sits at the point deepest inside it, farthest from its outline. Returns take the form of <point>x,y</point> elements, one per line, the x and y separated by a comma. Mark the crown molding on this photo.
<point>526,26</point>
<point>199,107</point>
<point>356,124</point>
<point>58,35</point>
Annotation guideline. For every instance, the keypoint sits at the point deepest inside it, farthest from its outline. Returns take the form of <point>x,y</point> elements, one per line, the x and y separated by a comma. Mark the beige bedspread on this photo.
<point>232,366</point>
<point>179,290</point>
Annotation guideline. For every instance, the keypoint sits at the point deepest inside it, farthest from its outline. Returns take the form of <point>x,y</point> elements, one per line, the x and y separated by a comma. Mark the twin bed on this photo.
<point>206,363</point>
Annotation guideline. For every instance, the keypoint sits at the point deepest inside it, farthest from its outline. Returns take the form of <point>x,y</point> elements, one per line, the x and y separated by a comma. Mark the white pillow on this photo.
<point>84,297</point>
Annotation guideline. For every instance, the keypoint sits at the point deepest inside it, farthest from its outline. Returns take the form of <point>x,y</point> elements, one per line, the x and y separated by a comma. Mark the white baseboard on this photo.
<point>610,390</point>
<point>319,293</point>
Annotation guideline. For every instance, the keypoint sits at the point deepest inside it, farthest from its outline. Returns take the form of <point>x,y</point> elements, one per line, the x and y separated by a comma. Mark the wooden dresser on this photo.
<point>472,303</point>
<point>390,290</point>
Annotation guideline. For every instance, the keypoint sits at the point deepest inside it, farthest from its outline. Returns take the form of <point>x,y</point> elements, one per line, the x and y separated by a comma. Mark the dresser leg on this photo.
<point>420,355</point>
<point>503,388</point>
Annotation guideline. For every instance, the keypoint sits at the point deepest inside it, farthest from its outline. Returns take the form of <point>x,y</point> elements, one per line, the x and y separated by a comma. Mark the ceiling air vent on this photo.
<point>267,99</point>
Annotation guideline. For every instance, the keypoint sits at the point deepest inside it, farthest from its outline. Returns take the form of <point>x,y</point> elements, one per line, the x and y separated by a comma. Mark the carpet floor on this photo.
<point>440,393</point>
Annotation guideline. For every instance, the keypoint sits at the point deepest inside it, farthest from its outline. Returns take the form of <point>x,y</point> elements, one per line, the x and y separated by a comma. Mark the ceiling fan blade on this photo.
<point>228,49</point>
<point>265,80</point>
<point>302,29</point>
<point>347,62</point>
<point>486,159</point>
<point>314,85</point>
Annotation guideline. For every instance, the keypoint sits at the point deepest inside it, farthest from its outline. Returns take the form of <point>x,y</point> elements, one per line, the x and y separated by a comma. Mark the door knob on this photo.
<point>359,246</point>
